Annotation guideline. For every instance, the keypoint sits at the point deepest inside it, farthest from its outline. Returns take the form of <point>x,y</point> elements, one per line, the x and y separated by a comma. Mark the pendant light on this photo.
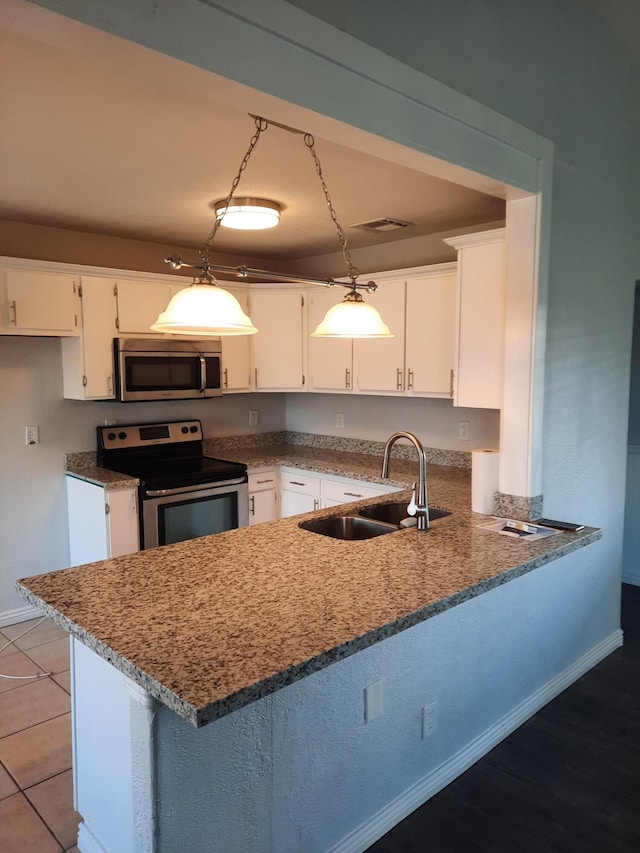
<point>204,308</point>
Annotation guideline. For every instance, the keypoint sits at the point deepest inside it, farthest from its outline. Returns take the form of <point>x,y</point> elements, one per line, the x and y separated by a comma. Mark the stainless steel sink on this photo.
<point>348,527</point>
<point>394,513</point>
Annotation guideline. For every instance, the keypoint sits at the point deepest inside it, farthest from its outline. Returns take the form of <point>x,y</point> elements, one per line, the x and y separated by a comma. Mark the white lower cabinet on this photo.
<point>102,523</point>
<point>300,492</point>
<point>263,495</point>
<point>303,491</point>
<point>345,491</point>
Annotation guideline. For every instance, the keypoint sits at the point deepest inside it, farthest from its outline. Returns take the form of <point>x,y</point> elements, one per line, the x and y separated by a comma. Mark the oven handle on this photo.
<point>201,487</point>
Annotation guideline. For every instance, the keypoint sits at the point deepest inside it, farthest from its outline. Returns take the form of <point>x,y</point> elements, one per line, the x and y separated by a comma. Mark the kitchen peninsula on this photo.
<point>219,683</point>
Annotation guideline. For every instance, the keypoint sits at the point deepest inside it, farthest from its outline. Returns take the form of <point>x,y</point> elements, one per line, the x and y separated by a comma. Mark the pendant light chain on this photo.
<point>261,125</point>
<point>352,271</point>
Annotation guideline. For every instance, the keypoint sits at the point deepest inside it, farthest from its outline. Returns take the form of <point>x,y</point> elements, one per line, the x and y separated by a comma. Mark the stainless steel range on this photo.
<point>183,494</point>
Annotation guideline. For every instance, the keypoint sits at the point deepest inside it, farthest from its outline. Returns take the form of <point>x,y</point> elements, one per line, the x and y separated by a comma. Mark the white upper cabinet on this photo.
<point>278,346</point>
<point>378,364</point>
<point>236,352</point>
<point>430,332</point>
<point>140,302</point>
<point>481,298</point>
<point>330,359</point>
<point>35,302</point>
<point>87,361</point>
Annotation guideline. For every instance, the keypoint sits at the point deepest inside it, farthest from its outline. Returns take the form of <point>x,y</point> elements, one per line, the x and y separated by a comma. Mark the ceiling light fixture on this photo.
<point>248,214</point>
<point>203,308</point>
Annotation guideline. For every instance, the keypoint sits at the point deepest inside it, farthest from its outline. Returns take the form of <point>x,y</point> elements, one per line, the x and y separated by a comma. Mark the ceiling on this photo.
<point>93,145</point>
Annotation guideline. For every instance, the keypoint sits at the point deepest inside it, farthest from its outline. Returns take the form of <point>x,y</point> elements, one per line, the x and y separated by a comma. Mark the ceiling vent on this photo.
<point>385,223</point>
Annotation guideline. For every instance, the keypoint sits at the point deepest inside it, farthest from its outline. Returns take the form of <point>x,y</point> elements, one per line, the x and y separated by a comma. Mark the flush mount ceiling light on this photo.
<point>203,308</point>
<point>248,214</point>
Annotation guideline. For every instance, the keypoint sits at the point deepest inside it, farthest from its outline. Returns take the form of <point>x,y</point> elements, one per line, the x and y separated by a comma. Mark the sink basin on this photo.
<point>347,527</point>
<point>393,513</point>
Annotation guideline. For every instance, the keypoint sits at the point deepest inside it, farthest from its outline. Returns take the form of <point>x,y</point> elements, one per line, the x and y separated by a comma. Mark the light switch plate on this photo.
<point>373,701</point>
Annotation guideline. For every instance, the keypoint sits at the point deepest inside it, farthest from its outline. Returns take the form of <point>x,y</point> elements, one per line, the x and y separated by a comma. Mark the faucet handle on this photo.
<point>413,506</point>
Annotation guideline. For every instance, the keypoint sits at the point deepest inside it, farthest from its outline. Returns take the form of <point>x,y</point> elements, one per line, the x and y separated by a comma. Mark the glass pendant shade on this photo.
<point>352,319</point>
<point>248,214</point>
<point>204,309</point>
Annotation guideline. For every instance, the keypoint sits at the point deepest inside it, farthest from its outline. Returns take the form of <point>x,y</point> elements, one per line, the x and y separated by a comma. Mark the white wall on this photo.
<point>33,508</point>
<point>434,421</point>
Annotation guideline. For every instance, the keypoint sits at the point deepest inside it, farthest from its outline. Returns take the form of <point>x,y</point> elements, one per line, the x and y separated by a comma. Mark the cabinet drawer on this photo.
<point>301,482</point>
<point>261,480</point>
<point>344,492</point>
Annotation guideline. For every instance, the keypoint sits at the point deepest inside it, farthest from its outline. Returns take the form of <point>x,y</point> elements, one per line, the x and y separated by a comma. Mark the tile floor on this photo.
<point>36,811</point>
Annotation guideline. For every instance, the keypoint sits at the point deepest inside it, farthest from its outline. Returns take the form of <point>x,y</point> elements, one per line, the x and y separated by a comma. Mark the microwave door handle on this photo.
<point>203,373</point>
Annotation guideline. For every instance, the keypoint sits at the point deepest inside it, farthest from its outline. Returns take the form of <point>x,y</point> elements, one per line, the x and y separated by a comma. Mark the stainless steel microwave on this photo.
<point>167,369</point>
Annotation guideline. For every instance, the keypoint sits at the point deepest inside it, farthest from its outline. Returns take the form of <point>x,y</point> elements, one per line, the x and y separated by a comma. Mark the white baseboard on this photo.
<point>20,614</point>
<point>368,833</point>
<point>631,577</point>
<point>87,842</point>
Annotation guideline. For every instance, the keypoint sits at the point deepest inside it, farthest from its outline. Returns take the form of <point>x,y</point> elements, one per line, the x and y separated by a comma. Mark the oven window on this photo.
<point>162,373</point>
<point>200,517</point>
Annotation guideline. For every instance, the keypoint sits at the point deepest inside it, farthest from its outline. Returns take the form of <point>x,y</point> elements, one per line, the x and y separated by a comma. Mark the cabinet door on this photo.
<point>140,303</point>
<point>41,303</point>
<point>378,365</point>
<point>236,353</point>
<point>102,524</point>
<point>263,506</point>
<point>277,348</point>
<point>330,359</point>
<point>430,334</point>
<point>122,522</point>
<point>293,503</point>
<point>481,325</point>
<point>88,533</point>
<point>87,362</point>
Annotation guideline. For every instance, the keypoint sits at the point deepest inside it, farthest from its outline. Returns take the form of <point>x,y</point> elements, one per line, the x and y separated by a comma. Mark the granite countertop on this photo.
<point>210,625</point>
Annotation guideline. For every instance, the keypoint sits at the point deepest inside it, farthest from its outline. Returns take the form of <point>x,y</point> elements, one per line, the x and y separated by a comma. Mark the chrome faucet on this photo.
<point>421,508</point>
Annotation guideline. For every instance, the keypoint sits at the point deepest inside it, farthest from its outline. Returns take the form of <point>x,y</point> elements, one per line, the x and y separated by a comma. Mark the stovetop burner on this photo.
<point>162,454</point>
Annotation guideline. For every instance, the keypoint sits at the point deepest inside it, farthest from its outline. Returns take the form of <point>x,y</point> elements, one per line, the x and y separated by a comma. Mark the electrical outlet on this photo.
<point>339,420</point>
<point>429,719</point>
<point>253,417</point>
<point>373,697</point>
<point>31,435</point>
<point>463,430</point>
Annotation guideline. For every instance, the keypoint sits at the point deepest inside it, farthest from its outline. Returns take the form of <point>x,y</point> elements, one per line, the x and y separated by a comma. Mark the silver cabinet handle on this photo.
<point>252,504</point>
<point>451,385</point>
<point>316,503</point>
<point>14,311</point>
<point>255,376</point>
<point>296,483</point>
<point>226,378</point>
<point>347,378</point>
<point>399,379</point>
<point>410,380</point>
<point>354,495</point>
<point>264,481</point>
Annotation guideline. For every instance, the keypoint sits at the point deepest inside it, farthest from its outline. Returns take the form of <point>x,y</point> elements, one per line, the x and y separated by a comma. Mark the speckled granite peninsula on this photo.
<point>211,625</point>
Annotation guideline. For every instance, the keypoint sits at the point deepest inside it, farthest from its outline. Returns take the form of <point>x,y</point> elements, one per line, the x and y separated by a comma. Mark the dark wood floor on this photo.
<point>567,781</point>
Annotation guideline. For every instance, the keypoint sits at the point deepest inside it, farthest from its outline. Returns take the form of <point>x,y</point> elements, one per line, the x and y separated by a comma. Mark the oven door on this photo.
<point>175,515</point>
<point>168,375</point>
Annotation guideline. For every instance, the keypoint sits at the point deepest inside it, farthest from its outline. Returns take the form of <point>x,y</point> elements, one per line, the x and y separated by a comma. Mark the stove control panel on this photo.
<point>129,436</point>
